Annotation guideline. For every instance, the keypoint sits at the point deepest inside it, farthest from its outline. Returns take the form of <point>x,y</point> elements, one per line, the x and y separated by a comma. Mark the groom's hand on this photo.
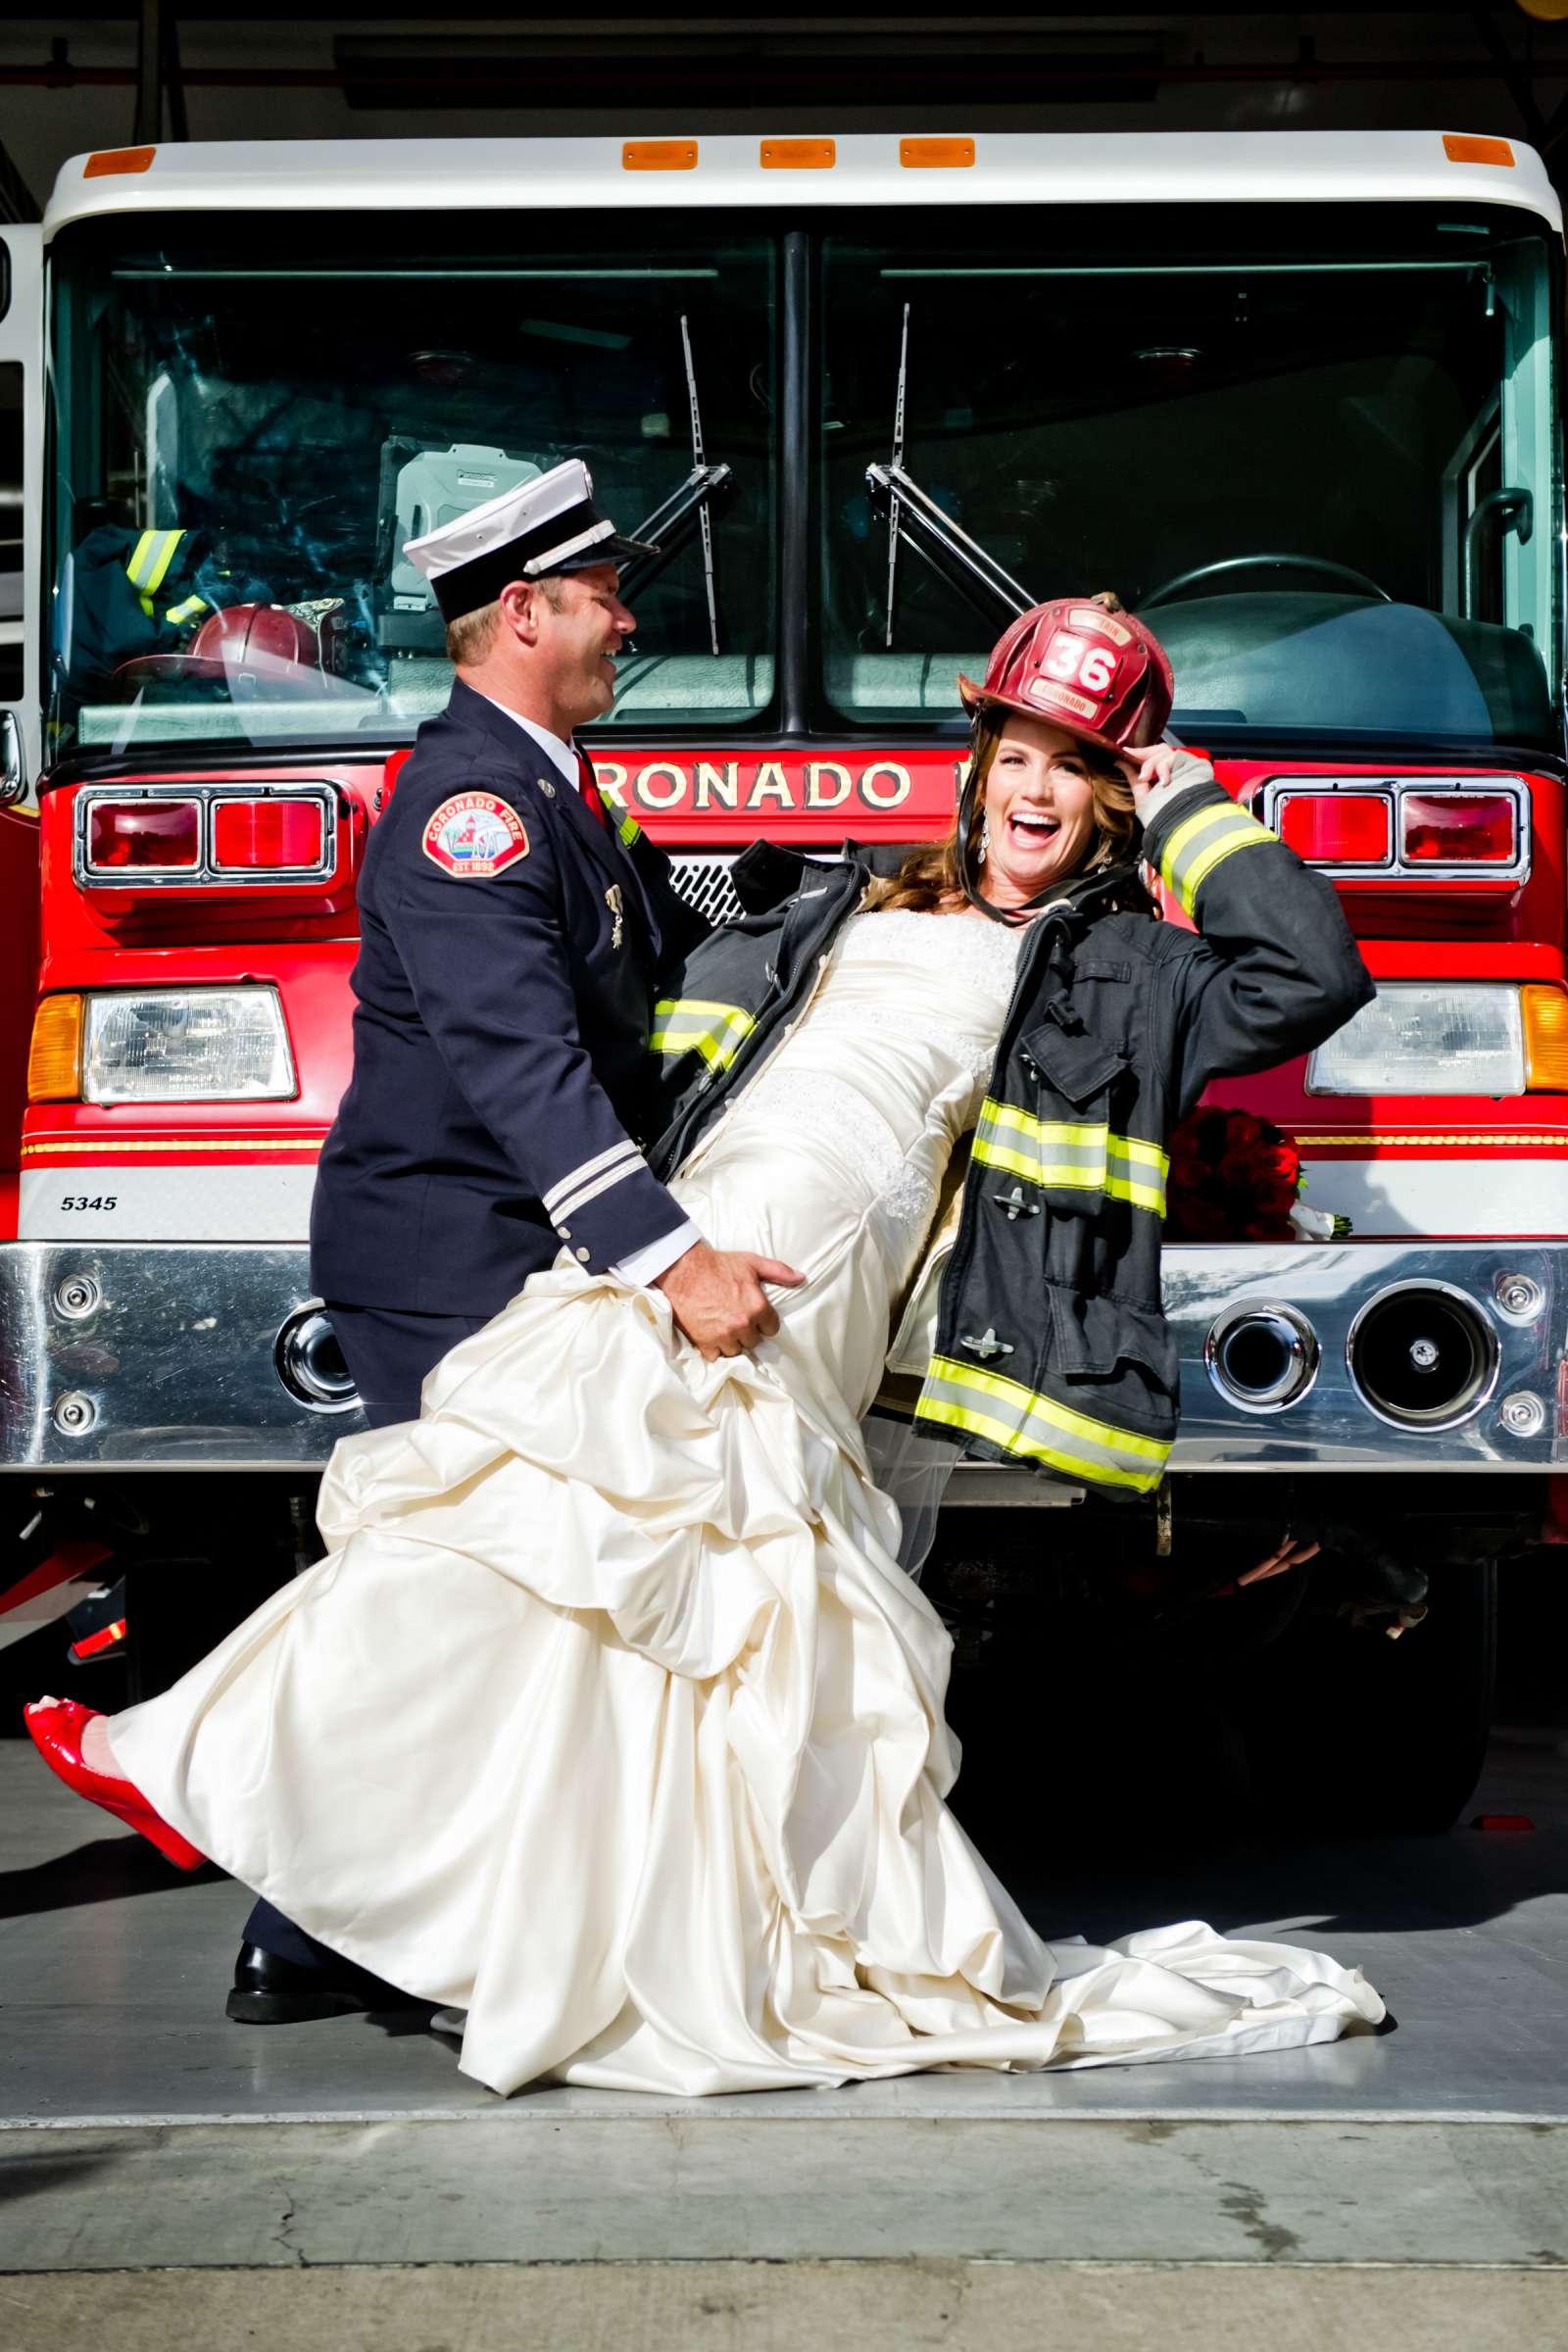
<point>718,1300</point>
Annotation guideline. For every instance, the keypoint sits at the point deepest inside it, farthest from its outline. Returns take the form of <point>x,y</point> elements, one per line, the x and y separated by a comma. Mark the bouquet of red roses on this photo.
<point>1233,1177</point>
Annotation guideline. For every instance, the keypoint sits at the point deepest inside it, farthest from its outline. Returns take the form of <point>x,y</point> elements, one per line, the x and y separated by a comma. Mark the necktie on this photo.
<point>592,799</point>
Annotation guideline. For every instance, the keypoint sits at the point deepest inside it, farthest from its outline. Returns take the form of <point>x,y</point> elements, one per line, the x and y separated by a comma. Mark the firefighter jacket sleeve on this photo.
<point>1274,969</point>
<point>489,962</point>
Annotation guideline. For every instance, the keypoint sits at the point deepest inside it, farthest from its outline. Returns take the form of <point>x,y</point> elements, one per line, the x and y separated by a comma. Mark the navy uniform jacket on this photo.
<point>509,948</point>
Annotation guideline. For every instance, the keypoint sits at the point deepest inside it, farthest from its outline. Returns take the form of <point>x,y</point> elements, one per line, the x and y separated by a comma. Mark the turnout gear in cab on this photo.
<point>1050,1345</point>
<point>508,944</point>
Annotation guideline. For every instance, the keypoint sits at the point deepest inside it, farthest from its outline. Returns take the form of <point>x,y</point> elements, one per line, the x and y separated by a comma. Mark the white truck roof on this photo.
<point>336,176</point>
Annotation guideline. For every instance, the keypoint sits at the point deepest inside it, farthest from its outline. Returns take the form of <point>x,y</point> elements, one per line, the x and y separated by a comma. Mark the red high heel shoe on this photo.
<point>57,1726</point>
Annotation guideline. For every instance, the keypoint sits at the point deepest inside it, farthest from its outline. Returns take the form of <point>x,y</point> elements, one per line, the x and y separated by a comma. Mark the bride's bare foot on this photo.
<point>96,1752</point>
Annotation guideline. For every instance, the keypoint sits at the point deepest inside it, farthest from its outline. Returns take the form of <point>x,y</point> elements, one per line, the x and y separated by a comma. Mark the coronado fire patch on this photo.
<point>476,834</point>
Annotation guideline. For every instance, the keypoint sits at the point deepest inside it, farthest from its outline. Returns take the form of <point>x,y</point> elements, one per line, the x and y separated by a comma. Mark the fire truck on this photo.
<point>1293,396</point>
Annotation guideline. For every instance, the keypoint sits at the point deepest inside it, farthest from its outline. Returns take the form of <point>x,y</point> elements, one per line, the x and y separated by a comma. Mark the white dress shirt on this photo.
<point>644,1266</point>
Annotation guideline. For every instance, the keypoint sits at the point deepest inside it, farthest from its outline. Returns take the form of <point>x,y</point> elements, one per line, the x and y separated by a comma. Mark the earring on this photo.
<point>984,839</point>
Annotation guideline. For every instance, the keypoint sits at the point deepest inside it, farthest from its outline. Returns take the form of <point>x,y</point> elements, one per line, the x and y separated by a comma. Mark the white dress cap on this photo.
<point>549,525</point>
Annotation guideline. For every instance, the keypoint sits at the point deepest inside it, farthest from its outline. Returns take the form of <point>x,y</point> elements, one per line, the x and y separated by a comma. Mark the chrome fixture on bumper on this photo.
<point>1371,1355</point>
<point>1356,1355</point>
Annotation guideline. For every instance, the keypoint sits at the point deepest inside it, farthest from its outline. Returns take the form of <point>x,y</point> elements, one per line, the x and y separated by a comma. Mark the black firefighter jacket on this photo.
<point>1051,1344</point>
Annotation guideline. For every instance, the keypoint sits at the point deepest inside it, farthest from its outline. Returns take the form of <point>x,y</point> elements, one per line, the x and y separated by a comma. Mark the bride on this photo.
<point>610,1725</point>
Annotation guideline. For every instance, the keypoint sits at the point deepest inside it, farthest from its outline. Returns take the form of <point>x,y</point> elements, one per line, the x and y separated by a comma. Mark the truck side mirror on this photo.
<point>13,760</point>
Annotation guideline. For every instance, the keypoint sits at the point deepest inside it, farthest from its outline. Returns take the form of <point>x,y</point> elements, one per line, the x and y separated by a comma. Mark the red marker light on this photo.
<point>1336,828</point>
<point>1457,828</point>
<point>279,835</point>
<point>93,1645</point>
<point>150,835</point>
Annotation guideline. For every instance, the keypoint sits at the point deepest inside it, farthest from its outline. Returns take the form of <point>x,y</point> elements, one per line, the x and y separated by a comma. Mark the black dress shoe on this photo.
<point>269,1991</point>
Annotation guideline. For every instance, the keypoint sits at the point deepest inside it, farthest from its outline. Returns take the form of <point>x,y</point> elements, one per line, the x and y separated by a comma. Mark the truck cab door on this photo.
<point>21,640</point>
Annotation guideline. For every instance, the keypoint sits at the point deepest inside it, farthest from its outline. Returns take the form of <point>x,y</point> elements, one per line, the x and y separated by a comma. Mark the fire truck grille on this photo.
<point>705,883</point>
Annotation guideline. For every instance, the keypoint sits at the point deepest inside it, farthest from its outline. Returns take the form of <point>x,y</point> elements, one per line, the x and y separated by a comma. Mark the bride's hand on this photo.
<point>1147,770</point>
<point>717,1299</point>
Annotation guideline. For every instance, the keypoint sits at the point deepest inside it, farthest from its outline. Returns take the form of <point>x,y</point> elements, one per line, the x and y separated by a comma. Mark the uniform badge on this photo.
<point>617,909</point>
<point>476,834</point>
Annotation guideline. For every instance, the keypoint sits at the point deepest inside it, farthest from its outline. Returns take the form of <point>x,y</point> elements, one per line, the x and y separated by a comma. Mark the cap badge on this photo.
<point>474,835</point>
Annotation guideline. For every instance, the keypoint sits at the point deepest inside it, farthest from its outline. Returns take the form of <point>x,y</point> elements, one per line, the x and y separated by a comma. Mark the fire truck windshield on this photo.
<point>1317,451</point>
<point>251,419</point>
<point>1317,446</point>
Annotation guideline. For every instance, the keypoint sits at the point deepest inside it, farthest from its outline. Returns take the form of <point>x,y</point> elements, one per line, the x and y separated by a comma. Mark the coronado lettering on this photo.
<point>703,787</point>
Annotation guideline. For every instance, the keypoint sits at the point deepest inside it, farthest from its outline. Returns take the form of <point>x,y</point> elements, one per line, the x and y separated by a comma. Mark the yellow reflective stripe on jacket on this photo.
<point>147,565</point>
<point>1078,1155</point>
<point>693,1025</point>
<point>187,611</point>
<point>628,830</point>
<point>1135,1172</point>
<point>1202,842</point>
<point>1037,1429</point>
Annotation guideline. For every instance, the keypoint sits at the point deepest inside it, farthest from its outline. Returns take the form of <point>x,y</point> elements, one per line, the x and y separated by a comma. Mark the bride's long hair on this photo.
<point>931,878</point>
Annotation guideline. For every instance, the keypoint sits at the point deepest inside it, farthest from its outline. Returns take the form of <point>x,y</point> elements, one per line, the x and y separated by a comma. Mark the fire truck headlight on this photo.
<point>179,1044</point>
<point>1429,1037</point>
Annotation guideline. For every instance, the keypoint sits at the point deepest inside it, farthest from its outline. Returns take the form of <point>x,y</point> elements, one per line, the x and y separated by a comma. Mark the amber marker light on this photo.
<point>1545,1021</point>
<point>799,155</point>
<point>659,155</point>
<point>110,160</point>
<point>1461,147</point>
<point>936,155</point>
<point>54,1058</point>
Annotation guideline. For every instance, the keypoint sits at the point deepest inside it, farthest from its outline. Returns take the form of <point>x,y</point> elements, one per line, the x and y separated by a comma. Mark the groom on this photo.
<point>511,929</point>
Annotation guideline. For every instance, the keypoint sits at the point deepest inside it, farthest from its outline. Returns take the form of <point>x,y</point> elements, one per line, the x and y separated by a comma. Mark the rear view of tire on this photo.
<point>1350,1731</point>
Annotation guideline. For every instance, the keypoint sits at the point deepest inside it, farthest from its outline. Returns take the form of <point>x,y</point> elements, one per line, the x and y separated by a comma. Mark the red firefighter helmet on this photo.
<point>1099,674</point>
<point>255,637</point>
<point>249,649</point>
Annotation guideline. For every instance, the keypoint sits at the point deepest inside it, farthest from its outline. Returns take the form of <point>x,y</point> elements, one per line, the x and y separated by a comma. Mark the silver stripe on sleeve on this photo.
<point>557,1192</point>
<point>636,1166</point>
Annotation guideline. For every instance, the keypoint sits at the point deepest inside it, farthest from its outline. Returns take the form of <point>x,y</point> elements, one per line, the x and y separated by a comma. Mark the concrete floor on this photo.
<point>113,1971</point>
<point>151,2154</point>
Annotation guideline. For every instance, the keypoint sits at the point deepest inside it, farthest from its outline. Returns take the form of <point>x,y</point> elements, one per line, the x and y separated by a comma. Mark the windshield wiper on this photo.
<point>917,520</point>
<point>686,508</point>
<point>928,532</point>
<point>897,461</point>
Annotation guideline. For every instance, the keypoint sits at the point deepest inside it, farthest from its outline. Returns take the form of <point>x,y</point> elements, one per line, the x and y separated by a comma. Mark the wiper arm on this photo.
<point>893,534</point>
<point>919,522</point>
<point>915,519</point>
<point>672,524</point>
<point>704,520</point>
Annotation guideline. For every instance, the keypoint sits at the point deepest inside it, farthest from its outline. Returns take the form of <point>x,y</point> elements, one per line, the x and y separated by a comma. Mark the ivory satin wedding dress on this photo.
<point>611,1720</point>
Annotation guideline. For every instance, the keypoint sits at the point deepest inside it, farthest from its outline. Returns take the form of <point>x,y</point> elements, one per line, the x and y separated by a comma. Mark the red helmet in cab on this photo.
<point>1099,674</point>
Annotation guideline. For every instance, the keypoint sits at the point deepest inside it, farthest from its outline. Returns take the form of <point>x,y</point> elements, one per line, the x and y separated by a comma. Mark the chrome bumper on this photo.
<point>156,1355</point>
<point>166,1355</point>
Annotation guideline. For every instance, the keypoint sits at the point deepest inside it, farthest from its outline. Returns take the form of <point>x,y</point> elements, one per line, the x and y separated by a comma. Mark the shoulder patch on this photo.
<point>476,834</point>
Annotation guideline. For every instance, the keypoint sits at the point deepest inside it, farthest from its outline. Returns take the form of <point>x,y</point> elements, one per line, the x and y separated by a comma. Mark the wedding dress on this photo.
<point>611,1720</point>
